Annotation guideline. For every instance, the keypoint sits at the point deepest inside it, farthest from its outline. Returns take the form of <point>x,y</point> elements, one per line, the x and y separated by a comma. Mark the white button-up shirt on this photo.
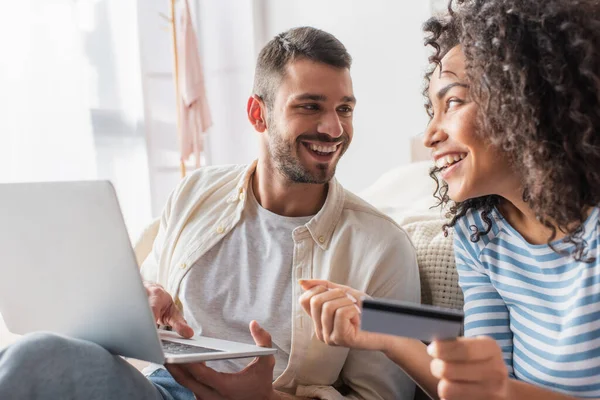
<point>348,242</point>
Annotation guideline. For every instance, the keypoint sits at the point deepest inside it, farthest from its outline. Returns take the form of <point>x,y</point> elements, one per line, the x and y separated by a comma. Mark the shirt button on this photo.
<point>183,266</point>
<point>242,196</point>
<point>321,239</point>
<point>220,229</point>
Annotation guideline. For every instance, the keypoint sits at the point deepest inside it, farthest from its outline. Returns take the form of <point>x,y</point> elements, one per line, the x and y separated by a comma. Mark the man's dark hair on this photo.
<point>297,43</point>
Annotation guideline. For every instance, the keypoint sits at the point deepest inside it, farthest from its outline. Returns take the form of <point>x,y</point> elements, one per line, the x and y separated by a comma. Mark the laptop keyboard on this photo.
<point>180,348</point>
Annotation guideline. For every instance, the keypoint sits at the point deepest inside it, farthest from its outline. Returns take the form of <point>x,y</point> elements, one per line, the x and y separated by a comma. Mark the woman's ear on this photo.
<point>257,113</point>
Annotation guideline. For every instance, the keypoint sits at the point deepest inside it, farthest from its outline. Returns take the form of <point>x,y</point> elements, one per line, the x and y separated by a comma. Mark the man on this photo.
<point>234,241</point>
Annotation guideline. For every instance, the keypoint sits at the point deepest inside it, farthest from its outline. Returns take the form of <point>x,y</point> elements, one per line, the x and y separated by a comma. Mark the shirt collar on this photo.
<point>320,226</point>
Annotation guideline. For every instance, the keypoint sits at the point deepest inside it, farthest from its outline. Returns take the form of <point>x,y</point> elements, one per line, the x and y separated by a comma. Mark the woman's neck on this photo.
<point>523,219</point>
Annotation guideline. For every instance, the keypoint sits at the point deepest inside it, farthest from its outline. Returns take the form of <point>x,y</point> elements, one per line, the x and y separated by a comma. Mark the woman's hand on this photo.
<point>335,311</point>
<point>469,368</point>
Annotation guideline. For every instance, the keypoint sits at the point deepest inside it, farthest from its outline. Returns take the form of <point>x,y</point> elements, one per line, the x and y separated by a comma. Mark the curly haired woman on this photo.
<point>514,101</point>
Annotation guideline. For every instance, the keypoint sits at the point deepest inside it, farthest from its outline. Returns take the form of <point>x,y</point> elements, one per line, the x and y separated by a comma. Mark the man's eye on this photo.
<point>345,110</point>
<point>310,107</point>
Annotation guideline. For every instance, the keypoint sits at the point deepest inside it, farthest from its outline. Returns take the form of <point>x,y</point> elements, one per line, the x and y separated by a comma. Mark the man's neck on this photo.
<point>277,194</point>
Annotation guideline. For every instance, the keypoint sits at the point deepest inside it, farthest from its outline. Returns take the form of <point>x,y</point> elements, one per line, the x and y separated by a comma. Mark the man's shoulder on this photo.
<point>371,219</point>
<point>209,173</point>
<point>209,177</point>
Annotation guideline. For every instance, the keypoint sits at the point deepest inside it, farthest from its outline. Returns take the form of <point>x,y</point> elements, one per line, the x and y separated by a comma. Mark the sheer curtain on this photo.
<point>45,125</point>
<point>70,99</point>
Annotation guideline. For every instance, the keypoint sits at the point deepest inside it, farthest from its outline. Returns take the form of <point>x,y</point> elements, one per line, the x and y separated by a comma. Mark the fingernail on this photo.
<point>431,349</point>
<point>352,298</point>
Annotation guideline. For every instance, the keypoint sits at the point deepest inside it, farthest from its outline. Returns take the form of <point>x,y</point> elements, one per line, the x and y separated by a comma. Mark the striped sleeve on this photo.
<point>486,313</point>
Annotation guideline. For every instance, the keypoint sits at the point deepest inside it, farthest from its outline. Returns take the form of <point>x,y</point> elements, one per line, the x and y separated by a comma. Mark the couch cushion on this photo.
<point>437,269</point>
<point>406,194</point>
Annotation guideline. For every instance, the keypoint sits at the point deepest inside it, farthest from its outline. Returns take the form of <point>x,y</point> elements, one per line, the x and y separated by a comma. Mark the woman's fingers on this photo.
<point>326,303</point>
<point>308,284</point>
<point>316,308</point>
<point>332,318</point>
<point>308,295</point>
<point>475,349</point>
<point>469,368</point>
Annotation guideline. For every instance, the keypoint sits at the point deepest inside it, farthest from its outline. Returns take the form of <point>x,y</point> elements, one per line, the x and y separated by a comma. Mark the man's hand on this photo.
<point>469,368</point>
<point>165,311</point>
<point>255,382</point>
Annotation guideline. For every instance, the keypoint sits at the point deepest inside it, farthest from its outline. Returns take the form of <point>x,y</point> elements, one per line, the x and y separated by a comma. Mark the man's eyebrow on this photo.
<point>322,98</point>
<point>447,88</point>
<point>310,96</point>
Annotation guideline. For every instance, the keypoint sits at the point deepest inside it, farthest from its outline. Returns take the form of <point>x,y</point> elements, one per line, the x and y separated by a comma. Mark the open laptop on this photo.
<point>67,266</point>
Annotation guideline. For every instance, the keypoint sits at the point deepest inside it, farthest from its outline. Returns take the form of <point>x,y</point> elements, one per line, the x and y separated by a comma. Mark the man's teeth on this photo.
<point>449,160</point>
<point>322,149</point>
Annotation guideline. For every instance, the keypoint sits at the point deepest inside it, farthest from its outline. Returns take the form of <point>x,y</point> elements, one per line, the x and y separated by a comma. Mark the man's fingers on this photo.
<point>182,375</point>
<point>261,337</point>
<point>165,311</point>
<point>207,376</point>
<point>175,320</point>
<point>480,348</point>
<point>158,299</point>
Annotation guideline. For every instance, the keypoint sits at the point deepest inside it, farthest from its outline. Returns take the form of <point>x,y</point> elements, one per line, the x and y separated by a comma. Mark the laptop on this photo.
<point>67,266</point>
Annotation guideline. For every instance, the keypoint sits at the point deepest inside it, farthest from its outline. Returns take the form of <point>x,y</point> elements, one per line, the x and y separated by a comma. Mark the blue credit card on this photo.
<point>417,321</point>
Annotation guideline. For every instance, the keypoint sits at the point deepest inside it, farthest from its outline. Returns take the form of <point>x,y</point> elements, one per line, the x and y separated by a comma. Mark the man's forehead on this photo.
<point>316,80</point>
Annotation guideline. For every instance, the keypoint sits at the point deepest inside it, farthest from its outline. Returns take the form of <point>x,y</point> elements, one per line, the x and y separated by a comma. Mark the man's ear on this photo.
<point>257,113</point>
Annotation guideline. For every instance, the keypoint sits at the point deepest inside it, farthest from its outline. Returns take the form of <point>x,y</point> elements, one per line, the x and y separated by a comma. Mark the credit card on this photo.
<point>411,320</point>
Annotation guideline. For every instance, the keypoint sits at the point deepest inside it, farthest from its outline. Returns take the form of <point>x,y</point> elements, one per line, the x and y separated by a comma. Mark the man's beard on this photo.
<point>286,159</point>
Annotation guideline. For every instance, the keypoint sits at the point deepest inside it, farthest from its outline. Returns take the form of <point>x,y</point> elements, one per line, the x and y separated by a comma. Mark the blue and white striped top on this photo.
<point>542,308</point>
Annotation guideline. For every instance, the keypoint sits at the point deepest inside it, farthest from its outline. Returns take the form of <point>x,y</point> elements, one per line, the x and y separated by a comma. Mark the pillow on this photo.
<point>406,195</point>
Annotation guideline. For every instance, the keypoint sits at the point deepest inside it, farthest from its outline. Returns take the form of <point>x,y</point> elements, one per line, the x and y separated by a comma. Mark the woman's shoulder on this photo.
<point>476,225</point>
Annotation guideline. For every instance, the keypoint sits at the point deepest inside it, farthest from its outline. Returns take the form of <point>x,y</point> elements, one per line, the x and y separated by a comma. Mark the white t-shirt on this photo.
<point>246,276</point>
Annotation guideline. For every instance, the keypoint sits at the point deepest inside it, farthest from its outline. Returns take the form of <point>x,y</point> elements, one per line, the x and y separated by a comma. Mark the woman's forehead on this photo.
<point>452,70</point>
<point>454,63</point>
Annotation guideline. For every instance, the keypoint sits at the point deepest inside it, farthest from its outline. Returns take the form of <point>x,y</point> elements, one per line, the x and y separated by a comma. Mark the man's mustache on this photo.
<point>324,138</point>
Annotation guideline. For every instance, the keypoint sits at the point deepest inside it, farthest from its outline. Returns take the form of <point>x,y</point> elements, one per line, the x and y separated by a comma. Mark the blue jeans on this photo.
<point>48,366</point>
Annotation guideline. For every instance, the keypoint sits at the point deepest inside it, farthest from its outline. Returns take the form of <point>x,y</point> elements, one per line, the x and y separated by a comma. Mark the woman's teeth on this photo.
<point>449,160</point>
<point>323,149</point>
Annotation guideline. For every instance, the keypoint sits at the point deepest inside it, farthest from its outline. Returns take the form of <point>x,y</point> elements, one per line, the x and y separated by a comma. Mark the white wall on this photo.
<point>225,30</point>
<point>384,38</point>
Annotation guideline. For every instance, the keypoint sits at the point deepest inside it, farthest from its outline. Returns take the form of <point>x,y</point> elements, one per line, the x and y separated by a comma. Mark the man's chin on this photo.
<point>322,173</point>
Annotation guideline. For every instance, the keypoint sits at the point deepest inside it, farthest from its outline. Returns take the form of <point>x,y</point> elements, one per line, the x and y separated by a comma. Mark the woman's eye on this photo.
<point>453,102</point>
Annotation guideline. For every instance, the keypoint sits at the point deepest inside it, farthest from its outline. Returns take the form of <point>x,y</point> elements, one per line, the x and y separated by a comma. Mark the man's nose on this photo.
<point>331,125</point>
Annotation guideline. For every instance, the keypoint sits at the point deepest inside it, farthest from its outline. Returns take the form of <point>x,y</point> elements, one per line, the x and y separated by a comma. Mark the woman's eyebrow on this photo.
<point>442,92</point>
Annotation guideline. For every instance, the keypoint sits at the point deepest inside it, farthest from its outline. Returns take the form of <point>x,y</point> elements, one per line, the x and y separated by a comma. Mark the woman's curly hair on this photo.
<point>534,71</point>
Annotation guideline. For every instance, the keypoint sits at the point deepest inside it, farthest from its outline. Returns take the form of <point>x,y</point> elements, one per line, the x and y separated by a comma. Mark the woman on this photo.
<point>514,101</point>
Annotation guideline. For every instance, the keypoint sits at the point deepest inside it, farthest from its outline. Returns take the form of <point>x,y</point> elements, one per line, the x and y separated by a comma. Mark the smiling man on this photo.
<point>235,240</point>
